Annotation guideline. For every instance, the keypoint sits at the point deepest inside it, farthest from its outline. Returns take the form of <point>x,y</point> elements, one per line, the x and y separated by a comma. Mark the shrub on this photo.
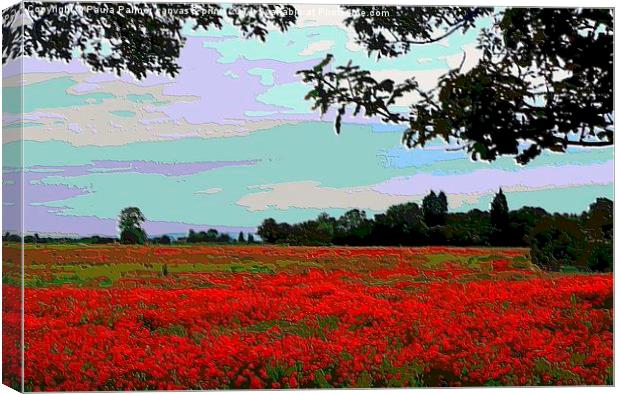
<point>599,256</point>
<point>556,242</point>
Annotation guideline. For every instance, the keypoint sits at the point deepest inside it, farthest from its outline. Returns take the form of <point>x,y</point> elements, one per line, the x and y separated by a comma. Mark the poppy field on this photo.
<point>226,317</point>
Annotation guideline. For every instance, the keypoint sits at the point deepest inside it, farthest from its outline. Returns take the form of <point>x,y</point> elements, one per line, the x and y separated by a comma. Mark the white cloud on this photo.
<point>213,190</point>
<point>319,46</point>
<point>472,57</point>
<point>94,124</point>
<point>309,194</point>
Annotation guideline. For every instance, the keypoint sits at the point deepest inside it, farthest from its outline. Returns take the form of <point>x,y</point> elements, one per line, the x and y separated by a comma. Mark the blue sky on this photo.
<point>231,141</point>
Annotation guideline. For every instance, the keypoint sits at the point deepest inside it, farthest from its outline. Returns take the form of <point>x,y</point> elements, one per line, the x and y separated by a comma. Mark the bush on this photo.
<point>556,242</point>
<point>599,256</point>
<point>561,244</point>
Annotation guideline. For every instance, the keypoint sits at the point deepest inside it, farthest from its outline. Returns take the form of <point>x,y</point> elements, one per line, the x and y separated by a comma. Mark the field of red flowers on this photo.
<point>207,317</point>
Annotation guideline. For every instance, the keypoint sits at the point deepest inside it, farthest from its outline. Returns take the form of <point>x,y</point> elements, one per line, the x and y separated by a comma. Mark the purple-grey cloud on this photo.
<point>489,180</point>
<point>35,173</point>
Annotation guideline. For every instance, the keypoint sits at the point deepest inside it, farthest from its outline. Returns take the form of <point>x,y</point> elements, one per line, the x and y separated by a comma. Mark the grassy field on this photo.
<point>111,317</point>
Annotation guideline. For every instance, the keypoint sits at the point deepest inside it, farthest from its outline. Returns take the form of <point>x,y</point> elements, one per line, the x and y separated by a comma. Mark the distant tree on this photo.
<point>351,220</point>
<point>353,228</point>
<point>499,211</point>
<point>521,223</point>
<point>325,227</point>
<point>500,221</point>
<point>443,203</point>
<point>163,240</point>
<point>557,242</point>
<point>269,231</point>
<point>241,237</point>
<point>599,219</point>
<point>14,237</point>
<point>130,225</point>
<point>251,238</point>
<point>211,235</point>
<point>191,236</point>
<point>223,238</point>
<point>471,228</point>
<point>435,209</point>
<point>599,229</point>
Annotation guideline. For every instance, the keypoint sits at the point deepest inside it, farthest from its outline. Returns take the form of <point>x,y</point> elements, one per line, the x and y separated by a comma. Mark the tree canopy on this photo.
<point>148,39</point>
<point>130,223</point>
<point>544,80</point>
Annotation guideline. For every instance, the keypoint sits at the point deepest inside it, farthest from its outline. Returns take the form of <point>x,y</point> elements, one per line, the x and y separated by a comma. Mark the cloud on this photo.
<point>309,194</point>
<point>462,190</point>
<point>319,46</point>
<point>472,56</point>
<point>92,122</point>
<point>488,181</point>
<point>213,190</point>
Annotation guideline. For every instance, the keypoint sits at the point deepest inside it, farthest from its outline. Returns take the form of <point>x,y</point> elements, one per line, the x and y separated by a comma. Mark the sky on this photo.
<point>231,141</point>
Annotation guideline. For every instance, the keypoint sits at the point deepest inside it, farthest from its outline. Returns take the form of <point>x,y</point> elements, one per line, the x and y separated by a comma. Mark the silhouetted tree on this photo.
<point>137,42</point>
<point>211,235</point>
<point>269,231</point>
<point>544,80</point>
<point>521,223</point>
<point>165,240</point>
<point>241,237</point>
<point>325,226</point>
<point>499,210</point>
<point>471,228</point>
<point>557,242</point>
<point>353,228</point>
<point>599,219</point>
<point>251,238</point>
<point>599,228</point>
<point>435,209</point>
<point>130,225</point>
<point>500,219</point>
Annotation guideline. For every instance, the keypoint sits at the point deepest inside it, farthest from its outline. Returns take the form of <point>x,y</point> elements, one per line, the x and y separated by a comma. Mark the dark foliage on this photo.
<point>120,39</point>
<point>209,236</point>
<point>95,239</point>
<point>133,236</point>
<point>584,242</point>
<point>163,240</point>
<point>435,208</point>
<point>130,225</point>
<point>557,241</point>
<point>544,82</point>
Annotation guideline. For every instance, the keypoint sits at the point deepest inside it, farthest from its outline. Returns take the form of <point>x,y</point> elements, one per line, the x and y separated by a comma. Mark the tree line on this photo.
<point>557,241</point>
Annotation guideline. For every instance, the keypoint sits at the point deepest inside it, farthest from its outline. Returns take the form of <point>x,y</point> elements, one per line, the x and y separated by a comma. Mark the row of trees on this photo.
<point>407,224</point>
<point>557,240</point>
<point>214,236</point>
<point>130,224</point>
<point>131,232</point>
